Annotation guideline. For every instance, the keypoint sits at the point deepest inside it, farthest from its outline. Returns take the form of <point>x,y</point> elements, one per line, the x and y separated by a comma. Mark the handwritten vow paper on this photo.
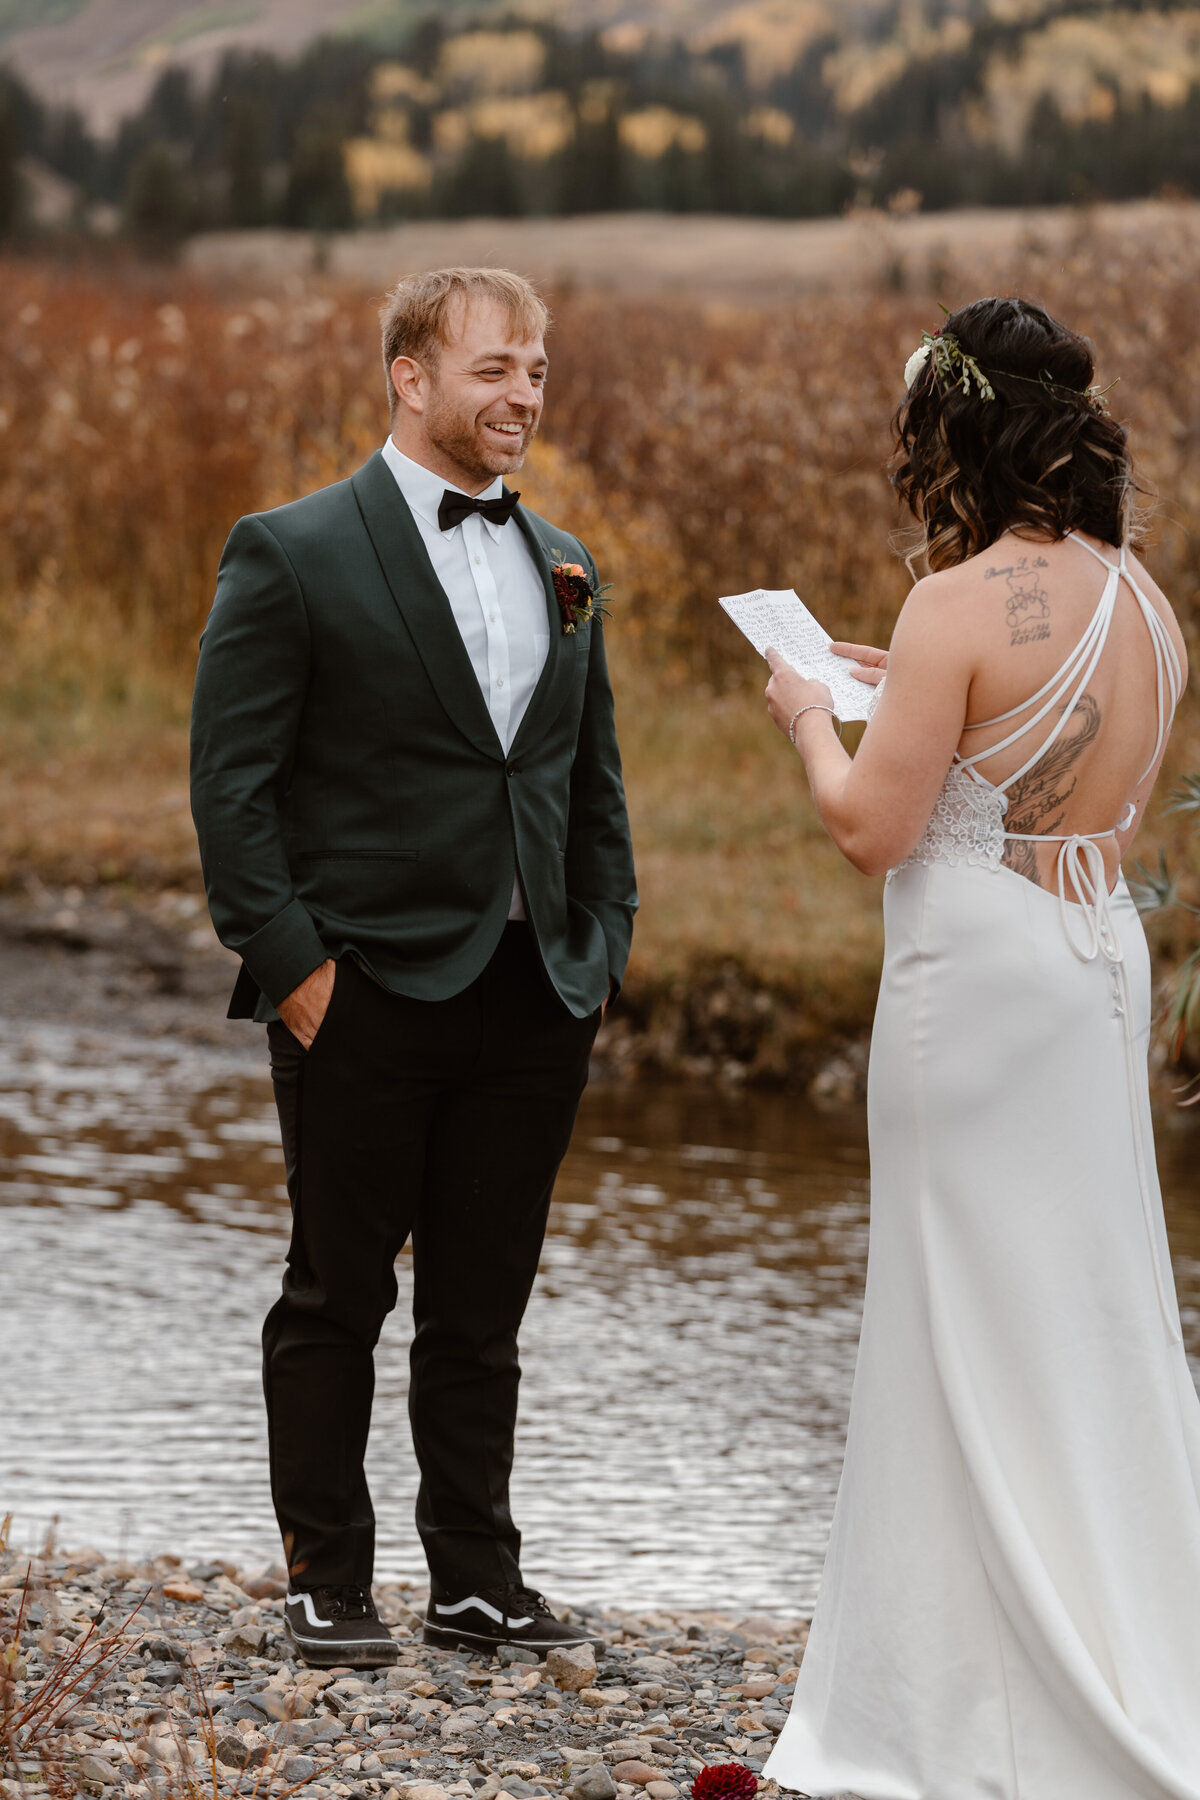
<point>778,618</point>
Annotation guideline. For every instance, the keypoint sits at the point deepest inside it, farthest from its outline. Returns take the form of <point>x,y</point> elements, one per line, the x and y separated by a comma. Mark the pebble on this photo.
<point>669,1692</point>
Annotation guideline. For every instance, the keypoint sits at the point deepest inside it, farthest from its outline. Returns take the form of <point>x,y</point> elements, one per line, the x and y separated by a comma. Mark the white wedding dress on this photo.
<point>1010,1608</point>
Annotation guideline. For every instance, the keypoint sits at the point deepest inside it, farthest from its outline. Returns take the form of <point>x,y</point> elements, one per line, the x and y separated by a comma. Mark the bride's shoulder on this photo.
<point>1014,565</point>
<point>946,593</point>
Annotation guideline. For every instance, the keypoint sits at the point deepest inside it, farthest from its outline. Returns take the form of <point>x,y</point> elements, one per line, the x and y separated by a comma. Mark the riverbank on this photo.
<point>151,1678</point>
<point>149,965</point>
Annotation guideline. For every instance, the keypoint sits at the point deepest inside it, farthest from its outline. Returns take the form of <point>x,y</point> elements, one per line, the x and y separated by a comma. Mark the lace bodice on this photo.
<point>966,825</point>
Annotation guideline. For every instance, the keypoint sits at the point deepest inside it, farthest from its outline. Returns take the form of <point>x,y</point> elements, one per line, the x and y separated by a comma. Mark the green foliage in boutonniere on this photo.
<point>579,598</point>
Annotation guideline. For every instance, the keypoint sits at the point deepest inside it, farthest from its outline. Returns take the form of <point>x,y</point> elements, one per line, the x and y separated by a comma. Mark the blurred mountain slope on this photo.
<point>103,56</point>
<point>323,113</point>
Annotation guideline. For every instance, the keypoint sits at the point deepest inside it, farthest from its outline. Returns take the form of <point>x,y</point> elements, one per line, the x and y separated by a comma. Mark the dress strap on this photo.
<point>1077,670</point>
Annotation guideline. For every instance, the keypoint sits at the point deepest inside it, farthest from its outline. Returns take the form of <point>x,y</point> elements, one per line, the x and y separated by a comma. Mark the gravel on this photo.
<point>187,1679</point>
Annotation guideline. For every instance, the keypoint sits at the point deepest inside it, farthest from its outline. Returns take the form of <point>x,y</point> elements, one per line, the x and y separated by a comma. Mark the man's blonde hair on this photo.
<point>415,318</point>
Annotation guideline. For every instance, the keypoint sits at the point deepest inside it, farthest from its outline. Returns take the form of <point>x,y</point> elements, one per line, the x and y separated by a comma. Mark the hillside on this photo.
<point>104,56</point>
<point>326,114</point>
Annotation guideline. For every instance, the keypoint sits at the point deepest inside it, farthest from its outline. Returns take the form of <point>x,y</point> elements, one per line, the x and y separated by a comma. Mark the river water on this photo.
<point>688,1352</point>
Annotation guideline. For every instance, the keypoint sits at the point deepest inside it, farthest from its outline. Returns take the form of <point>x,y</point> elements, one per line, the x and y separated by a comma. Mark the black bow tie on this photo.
<point>456,507</point>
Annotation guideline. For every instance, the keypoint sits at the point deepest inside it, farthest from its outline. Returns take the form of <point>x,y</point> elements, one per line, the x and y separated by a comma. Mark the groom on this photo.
<point>407,791</point>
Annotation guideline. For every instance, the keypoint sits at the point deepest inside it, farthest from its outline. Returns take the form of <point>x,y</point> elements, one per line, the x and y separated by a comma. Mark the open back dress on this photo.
<point>1010,1608</point>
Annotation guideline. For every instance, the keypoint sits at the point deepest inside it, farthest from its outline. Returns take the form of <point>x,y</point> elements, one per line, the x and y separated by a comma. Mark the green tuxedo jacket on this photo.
<point>349,789</point>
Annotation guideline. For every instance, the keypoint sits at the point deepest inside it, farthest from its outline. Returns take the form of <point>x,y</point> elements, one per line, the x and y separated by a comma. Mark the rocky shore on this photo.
<point>149,964</point>
<point>163,1681</point>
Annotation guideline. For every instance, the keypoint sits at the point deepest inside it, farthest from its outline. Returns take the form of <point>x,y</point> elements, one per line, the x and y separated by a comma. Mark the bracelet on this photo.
<point>813,706</point>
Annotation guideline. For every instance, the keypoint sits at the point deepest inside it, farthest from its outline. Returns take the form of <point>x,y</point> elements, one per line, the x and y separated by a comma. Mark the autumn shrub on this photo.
<point>698,448</point>
<point>708,448</point>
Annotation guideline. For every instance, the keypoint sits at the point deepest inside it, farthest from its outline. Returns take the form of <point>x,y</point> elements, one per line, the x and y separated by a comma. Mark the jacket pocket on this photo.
<point>358,855</point>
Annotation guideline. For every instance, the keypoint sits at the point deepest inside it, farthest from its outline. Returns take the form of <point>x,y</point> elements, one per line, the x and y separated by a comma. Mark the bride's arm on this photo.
<point>876,806</point>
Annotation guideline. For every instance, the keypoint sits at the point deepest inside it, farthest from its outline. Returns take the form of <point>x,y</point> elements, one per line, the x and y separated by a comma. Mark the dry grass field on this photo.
<point>751,261</point>
<point>699,447</point>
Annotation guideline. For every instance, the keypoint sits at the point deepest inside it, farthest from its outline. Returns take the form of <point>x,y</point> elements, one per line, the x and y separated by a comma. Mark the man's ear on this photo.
<point>411,383</point>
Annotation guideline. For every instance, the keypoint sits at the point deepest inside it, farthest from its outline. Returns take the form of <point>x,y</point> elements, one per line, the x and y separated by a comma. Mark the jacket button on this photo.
<point>512,769</point>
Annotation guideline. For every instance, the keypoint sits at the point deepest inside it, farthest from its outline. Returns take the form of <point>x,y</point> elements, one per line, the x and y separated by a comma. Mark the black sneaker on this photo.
<point>494,1616</point>
<point>334,1626</point>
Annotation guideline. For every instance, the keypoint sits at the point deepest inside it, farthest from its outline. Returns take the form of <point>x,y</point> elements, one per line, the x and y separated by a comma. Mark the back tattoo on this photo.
<point>1027,606</point>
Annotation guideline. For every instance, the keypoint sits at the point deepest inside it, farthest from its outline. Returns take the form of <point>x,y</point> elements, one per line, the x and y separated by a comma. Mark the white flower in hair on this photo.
<point>916,363</point>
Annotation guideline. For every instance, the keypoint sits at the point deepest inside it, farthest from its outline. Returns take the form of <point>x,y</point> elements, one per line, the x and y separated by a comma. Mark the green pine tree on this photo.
<point>158,201</point>
<point>10,168</point>
<point>245,163</point>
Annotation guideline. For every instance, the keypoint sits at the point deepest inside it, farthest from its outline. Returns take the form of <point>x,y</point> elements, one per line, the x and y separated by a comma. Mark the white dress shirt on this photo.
<point>496,595</point>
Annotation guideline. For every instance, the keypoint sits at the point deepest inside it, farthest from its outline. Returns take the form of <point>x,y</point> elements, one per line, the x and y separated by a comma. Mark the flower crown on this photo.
<point>955,367</point>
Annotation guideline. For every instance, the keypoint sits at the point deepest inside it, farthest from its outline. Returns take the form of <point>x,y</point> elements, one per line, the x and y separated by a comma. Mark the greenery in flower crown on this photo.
<point>955,367</point>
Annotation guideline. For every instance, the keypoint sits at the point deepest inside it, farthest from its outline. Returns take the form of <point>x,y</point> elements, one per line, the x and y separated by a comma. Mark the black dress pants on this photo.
<point>446,1121</point>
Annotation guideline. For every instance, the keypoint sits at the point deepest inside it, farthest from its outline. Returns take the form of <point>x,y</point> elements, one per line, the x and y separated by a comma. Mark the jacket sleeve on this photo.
<point>599,859</point>
<point>250,691</point>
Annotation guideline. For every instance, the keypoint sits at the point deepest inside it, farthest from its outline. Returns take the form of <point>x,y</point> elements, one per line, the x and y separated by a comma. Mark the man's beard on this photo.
<point>456,437</point>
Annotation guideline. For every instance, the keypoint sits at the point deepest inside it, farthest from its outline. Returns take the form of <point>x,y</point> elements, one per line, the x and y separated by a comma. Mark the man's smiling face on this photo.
<point>469,411</point>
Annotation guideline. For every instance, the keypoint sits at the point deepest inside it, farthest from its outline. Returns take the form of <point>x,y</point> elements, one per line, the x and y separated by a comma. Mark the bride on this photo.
<point>1010,1608</point>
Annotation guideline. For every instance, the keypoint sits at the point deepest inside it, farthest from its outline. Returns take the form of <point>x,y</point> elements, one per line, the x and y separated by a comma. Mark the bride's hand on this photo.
<point>787,691</point>
<point>870,664</point>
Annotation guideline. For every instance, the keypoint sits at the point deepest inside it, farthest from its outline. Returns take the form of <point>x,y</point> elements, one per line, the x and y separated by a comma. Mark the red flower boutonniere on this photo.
<point>578,597</point>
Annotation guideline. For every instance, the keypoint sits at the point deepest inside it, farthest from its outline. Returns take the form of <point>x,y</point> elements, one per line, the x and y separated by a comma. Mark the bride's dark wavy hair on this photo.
<point>1043,456</point>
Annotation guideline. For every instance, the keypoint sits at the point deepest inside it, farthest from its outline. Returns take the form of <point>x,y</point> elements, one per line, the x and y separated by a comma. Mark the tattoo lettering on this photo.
<point>1037,802</point>
<point>1027,608</point>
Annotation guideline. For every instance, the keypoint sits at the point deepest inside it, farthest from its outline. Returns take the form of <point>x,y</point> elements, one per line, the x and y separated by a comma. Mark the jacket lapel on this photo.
<point>422,603</point>
<point>552,688</point>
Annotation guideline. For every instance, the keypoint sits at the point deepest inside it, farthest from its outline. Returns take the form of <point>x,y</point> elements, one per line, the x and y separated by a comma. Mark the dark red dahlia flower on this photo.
<point>725,1781</point>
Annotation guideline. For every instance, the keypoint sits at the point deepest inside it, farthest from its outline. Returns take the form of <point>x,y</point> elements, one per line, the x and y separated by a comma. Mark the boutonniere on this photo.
<point>579,598</point>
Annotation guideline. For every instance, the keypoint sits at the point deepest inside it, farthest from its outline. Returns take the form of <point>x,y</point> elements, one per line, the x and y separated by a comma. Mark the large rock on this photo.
<point>637,1773</point>
<point>236,1753</point>
<point>98,1773</point>
<point>180,1588</point>
<point>572,1667</point>
<point>594,1783</point>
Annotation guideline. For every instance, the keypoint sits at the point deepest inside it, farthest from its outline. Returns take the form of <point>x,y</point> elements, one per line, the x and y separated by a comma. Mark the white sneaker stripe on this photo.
<point>310,1611</point>
<point>483,1607</point>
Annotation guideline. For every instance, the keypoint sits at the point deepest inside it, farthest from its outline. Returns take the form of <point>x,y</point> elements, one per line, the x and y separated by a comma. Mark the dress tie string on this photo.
<point>1082,860</point>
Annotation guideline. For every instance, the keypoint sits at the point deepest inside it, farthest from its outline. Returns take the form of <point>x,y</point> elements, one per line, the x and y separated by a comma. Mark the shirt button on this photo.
<point>492,618</point>
<point>499,681</point>
<point>477,559</point>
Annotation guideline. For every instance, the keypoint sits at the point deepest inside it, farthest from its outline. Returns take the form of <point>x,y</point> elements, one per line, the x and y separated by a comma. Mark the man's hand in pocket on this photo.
<point>304,1008</point>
